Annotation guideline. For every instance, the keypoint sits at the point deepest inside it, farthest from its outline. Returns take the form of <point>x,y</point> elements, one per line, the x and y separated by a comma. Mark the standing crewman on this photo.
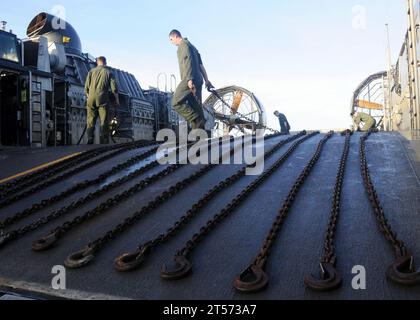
<point>368,120</point>
<point>284,124</point>
<point>187,100</point>
<point>99,83</point>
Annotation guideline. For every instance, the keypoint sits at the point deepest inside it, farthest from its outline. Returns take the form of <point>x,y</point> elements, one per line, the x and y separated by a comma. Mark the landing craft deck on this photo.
<point>30,160</point>
<point>227,250</point>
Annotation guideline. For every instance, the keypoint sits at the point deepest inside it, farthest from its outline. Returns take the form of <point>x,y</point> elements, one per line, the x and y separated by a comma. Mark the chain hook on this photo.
<point>252,280</point>
<point>401,250</point>
<point>403,272</point>
<point>178,269</point>
<point>330,279</point>
<point>132,261</point>
<point>45,243</point>
<point>80,258</point>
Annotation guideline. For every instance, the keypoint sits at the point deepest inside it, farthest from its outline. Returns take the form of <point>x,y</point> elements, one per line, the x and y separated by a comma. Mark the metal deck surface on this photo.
<point>227,250</point>
<point>17,160</point>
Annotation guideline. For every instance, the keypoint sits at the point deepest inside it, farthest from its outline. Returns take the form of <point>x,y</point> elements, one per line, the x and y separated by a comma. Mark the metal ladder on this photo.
<point>37,122</point>
<point>60,120</point>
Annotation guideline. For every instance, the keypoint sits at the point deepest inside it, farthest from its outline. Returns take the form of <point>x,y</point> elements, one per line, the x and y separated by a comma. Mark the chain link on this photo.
<point>71,173</point>
<point>111,235</point>
<point>16,186</point>
<point>262,257</point>
<point>62,166</point>
<point>232,206</point>
<point>402,271</point>
<point>101,242</point>
<point>139,254</point>
<point>59,232</point>
<point>384,225</point>
<point>80,187</point>
<point>15,234</point>
<point>329,248</point>
<point>254,278</point>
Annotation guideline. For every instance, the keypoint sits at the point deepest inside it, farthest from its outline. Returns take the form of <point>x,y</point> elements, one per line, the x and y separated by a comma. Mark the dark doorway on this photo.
<point>9,107</point>
<point>14,109</point>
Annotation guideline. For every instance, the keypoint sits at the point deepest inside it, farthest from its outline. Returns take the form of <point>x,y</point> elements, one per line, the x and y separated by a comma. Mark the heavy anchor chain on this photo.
<point>58,167</point>
<point>43,176</point>
<point>49,240</point>
<point>68,174</point>
<point>86,255</point>
<point>181,267</point>
<point>402,271</point>
<point>82,186</point>
<point>132,261</point>
<point>254,278</point>
<point>330,277</point>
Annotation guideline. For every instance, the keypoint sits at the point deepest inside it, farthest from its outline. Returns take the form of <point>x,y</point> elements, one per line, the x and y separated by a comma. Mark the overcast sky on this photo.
<point>302,57</point>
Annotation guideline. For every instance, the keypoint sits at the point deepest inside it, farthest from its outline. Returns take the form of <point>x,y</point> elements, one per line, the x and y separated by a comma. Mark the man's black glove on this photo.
<point>210,87</point>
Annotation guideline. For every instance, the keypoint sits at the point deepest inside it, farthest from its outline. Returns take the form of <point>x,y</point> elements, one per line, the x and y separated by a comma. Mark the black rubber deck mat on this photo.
<point>229,248</point>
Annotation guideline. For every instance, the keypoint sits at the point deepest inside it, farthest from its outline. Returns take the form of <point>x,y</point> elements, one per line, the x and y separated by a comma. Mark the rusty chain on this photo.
<point>16,186</point>
<point>181,267</point>
<point>86,255</point>
<point>45,243</point>
<point>254,278</point>
<point>77,188</point>
<point>402,271</point>
<point>330,278</point>
<point>131,261</point>
<point>42,244</point>
<point>71,173</point>
<point>58,166</point>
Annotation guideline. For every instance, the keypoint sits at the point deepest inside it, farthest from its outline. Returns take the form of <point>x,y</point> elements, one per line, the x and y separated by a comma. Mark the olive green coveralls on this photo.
<point>183,101</point>
<point>368,120</point>
<point>100,81</point>
<point>284,124</point>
